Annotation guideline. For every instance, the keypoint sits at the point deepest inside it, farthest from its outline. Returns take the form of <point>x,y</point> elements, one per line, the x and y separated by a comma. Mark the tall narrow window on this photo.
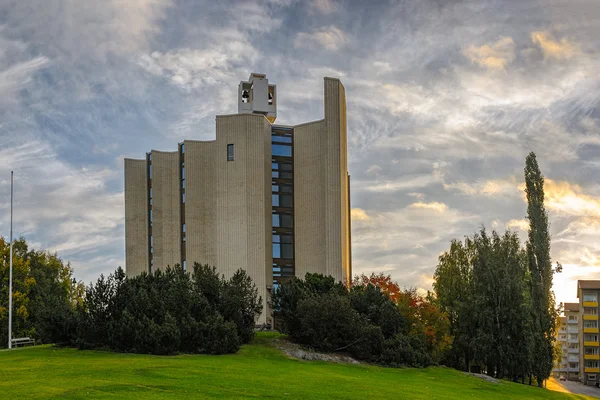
<point>230,152</point>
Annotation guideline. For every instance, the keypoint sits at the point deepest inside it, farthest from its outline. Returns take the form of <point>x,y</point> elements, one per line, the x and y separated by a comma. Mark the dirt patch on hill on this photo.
<point>296,351</point>
<point>484,377</point>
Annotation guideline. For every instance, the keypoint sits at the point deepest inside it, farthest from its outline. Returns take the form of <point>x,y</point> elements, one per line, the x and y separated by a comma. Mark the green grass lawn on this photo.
<point>257,371</point>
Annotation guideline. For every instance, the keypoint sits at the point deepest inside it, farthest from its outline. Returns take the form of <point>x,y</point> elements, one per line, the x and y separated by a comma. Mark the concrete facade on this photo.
<point>568,336</point>
<point>216,202</point>
<point>589,343</point>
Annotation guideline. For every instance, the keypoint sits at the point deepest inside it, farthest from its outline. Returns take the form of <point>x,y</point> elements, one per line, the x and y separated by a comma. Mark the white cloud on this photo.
<point>330,38</point>
<point>495,56</point>
<point>359,214</point>
<point>434,206</point>
<point>492,187</point>
<point>74,204</point>
<point>518,224</point>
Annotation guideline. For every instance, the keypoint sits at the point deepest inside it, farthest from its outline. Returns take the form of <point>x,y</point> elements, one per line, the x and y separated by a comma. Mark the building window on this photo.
<point>150,171</point>
<point>150,217</point>
<point>281,150</point>
<point>590,338</point>
<point>281,200</point>
<point>573,336</point>
<point>590,297</point>
<point>282,139</point>
<point>150,196</point>
<point>591,363</point>
<point>572,317</point>
<point>230,154</point>
<point>590,324</point>
<point>591,351</point>
<point>590,311</point>
<point>184,265</point>
<point>182,148</point>
<point>591,377</point>
<point>183,197</point>
<point>282,221</point>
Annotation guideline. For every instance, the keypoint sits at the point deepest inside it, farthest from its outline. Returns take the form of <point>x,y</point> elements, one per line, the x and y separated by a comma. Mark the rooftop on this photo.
<point>587,285</point>
<point>571,306</point>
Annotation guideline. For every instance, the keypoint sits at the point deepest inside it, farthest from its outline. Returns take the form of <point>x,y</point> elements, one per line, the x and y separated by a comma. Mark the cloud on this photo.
<point>358,214</point>
<point>85,216</point>
<point>434,206</point>
<point>492,187</point>
<point>495,56</point>
<point>566,198</point>
<point>330,38</point>
<point>323,6</point>
<point>563,49</point>
<point>518,224</point>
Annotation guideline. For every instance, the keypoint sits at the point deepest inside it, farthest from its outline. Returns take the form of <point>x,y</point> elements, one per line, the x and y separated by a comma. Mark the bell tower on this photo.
<point>256,96</point>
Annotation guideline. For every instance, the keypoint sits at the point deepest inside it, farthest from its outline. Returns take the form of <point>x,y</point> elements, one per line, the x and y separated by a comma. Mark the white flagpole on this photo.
<point>11,262</point>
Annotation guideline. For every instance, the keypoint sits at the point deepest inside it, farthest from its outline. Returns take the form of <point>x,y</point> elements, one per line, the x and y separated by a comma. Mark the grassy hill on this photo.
<point>259,370</point>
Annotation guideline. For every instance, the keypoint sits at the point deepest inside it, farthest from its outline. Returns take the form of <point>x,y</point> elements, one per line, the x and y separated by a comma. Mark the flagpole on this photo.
<point>11,265</point>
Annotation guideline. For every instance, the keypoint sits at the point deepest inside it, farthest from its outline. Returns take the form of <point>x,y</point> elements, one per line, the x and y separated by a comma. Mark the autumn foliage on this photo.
<point>423,316</point>
<point>372,319</point>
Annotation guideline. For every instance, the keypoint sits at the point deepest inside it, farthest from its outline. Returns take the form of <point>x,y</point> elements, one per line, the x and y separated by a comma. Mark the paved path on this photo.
<point>572,387</point>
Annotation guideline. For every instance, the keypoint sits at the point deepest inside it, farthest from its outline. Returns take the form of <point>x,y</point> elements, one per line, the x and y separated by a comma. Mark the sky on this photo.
<point>445,99</point>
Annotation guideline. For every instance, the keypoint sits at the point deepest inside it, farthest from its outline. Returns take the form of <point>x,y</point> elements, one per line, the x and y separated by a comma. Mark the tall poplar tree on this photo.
<point>543,321</point>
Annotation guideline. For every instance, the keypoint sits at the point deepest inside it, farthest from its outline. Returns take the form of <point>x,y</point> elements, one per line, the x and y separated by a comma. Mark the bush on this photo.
<point>169,312</point>
<point>404,350</point>
<point>362,321</point>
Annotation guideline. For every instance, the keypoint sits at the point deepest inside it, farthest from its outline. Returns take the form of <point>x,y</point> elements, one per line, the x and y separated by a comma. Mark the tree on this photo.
<point>540,270</point>
<point>453,288</point>
<point>381,281</point>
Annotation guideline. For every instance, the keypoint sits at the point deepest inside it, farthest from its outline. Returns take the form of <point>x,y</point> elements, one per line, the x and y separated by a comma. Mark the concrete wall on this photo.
<point>136,217</point>
<point>243,199</point>
<point>309,198</point>
<point>166,207</point>
<point>200,207</point>
<point>322,233</point>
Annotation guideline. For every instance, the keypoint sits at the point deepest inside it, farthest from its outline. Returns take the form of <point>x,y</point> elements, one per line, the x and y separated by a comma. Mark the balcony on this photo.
<point>588,369</point>
<point>573,369</point>
<point>590,317</point>
<point>590,330</point>
<point>591,344</point>
<point>573,351</point>
<point>572,321</point>
<point>590,304</point>
<point>591,357</point>
<point>575,358</point>
<point>576,341</point>
<point>573,329</point>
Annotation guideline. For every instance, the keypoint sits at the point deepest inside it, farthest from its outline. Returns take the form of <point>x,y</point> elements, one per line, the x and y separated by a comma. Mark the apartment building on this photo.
<point>589,357</point>
<point>273,200</point>
<point>568,337</point>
